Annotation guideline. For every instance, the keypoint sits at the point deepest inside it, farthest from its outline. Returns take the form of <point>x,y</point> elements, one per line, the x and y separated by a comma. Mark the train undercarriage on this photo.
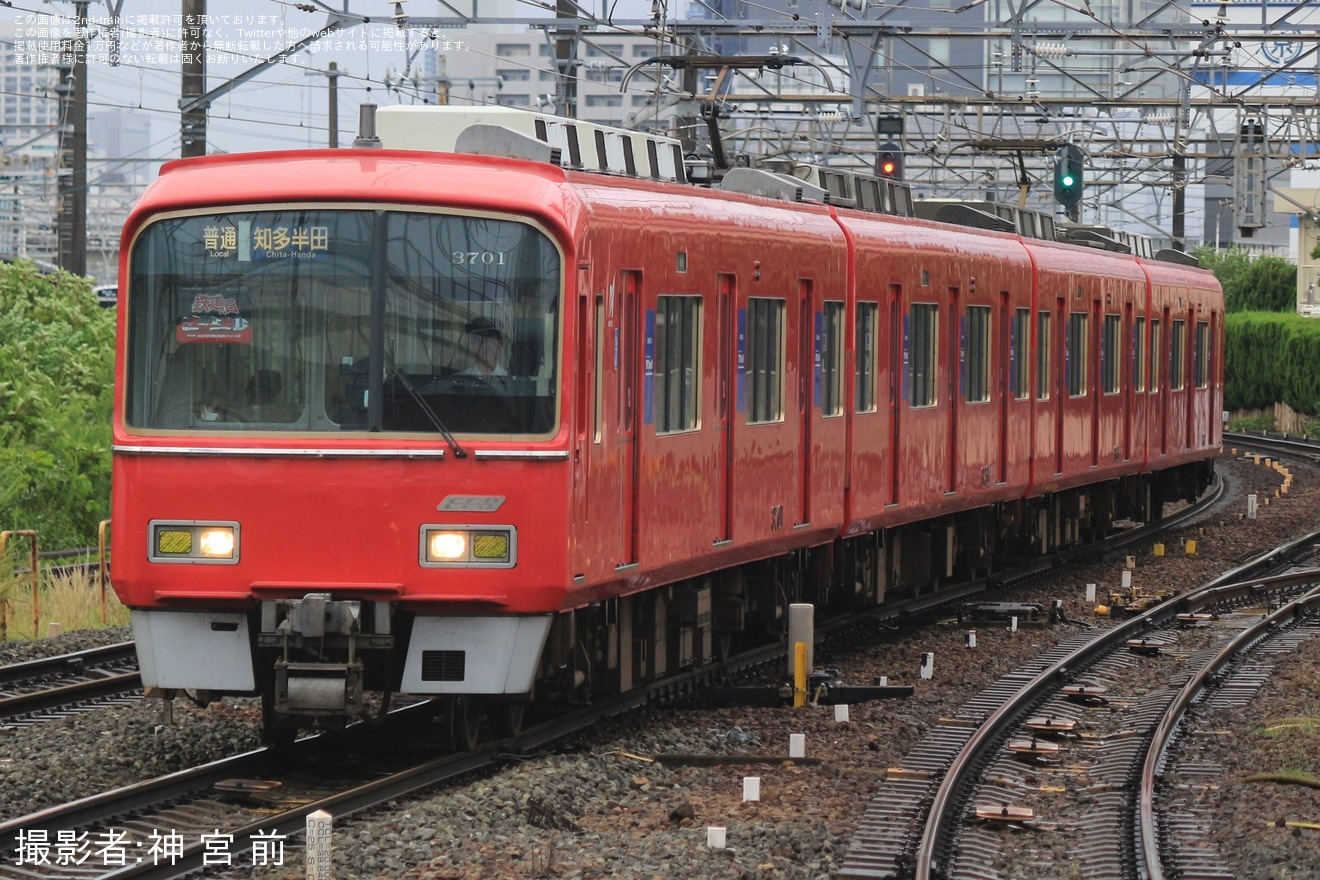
<point>320,661</point>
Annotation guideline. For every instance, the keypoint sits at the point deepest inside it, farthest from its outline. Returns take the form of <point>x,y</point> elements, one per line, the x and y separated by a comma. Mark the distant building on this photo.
<point>1304,204</point>
<point>119,162</point>
<point>517,69</point>
<point>28,145</point>
<point>120,142</point>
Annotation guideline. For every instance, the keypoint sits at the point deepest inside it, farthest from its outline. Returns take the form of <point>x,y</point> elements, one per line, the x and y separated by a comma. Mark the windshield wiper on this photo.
<point>459,452</point>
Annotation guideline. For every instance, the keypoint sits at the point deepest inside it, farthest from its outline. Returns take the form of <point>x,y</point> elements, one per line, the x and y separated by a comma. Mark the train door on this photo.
<point>1129,387</point>
<point>1095,380</point>
<point>1212,416</point>
<point>1056,380</point>
<point>628,413</point>
<point>898,348</point>
<point>586,395</point>
<point>807,348</point>
<point>1164,382</point>
<point>1003,385</point>
<point>957,358</point>
<point>724,379</point>
<point>1189,339</point>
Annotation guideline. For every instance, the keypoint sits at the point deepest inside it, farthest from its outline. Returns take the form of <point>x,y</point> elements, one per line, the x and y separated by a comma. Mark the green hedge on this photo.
<point>1272,357</point>
<point>56,377</point>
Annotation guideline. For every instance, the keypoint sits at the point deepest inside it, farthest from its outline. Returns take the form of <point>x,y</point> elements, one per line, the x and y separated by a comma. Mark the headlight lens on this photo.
<point>217,543</point>
<point>469,546</point>
<point>193,542</point>
<point>448,546</point>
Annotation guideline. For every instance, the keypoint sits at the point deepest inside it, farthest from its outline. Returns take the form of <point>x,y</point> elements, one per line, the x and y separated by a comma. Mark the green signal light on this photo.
<point>1067,180</point>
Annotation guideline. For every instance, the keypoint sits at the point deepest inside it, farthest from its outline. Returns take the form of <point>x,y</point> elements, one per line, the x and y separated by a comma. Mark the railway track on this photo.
<point>54,687</point>
<point>1175,841</point>
<point>1304,448</point>
<point>220,813</point>
<point>939,814</point>
<point>201,803</point>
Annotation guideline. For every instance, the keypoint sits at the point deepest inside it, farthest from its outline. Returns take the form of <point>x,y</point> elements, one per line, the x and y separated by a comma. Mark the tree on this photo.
<point>1252,284</point>
<point>56,377</point>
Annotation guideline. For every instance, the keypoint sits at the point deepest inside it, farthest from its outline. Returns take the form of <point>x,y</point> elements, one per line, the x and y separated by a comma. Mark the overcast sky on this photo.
<point>284,106</point>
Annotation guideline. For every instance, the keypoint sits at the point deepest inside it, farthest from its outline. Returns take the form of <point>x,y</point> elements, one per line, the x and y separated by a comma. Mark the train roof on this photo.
<point>559,146</point>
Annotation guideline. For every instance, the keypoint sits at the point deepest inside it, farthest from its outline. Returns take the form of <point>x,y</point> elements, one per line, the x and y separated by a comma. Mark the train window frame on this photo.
<point>1177,352</point>
<point>1077,353</point>
<point>1020,369</point>
<point>1156,341</point>
<point>764,363</point>
<point>865,344</point>
<point>676,371</point>
<point>977,338</point>
<point>1201,354</point>
<point>1111,362</point>
<point>1139,355</point>
<point>320,379</point>
<point>1044,353</point>
<point>831,358</point>
<point>921,350</point>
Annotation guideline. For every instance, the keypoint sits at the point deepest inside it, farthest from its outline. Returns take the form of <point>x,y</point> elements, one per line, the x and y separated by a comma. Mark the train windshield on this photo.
<point>343,320</point>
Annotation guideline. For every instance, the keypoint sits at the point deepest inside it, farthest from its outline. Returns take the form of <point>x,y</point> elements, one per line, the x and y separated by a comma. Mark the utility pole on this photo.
<point>332,120</point>
<point>566,47</point>
<point>192,126</point>
<point>1179,201</point>
<point>72,173</point>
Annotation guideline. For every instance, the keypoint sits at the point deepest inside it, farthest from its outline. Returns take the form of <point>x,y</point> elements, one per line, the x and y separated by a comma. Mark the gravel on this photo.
<point>609,805</point>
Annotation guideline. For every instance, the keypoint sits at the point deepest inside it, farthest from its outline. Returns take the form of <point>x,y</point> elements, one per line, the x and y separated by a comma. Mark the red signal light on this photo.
<point>889,163</point>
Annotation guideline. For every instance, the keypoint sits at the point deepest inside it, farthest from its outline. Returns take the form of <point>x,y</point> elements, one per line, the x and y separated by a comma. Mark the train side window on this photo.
<point>831,360</point>
<point>922,333</point>
<point>1177,346</point>
<point>1201,355</point>
<point>677,331</point>
<point>765,360</point>
<point>1043,356</point>
<point>1139,355</point>
<point>977,346</point>
<point>1077,354</point>
<point>1109,354</point>
<point>1020,372</point>
<point>864,379</point>
<point>1155,340</point>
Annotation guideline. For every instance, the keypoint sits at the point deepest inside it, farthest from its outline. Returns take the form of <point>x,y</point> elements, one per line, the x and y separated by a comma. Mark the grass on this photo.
<point>70,598</point>
<point>1254,424</point>
<point>1294,743</point>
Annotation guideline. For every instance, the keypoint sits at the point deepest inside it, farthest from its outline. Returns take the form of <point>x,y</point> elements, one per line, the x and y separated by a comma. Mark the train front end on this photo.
<point>339,465</point>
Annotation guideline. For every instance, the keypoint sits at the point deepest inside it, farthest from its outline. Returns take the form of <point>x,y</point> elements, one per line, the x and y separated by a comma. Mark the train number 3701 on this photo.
<point>478,258</point>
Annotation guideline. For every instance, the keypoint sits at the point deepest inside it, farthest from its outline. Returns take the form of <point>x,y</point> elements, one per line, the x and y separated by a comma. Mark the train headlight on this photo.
<point>469,546</point>
<point>448,546</point>
<point>216,543</point>
<point>191,541</point>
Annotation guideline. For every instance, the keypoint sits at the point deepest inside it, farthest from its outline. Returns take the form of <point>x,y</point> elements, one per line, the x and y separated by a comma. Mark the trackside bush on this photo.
<point>56,377</point>
<point>1272,357</point>
<point>1252,283</point>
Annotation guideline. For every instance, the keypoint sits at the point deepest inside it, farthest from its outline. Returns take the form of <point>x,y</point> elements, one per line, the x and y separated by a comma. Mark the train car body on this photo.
<point>704,405</point>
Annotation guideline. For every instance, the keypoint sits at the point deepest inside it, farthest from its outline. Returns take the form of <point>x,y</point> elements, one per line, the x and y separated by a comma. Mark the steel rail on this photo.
<point>67,664</point>
<point>1147,831</point>
<point>68,694</point>
<point>1292,446</point>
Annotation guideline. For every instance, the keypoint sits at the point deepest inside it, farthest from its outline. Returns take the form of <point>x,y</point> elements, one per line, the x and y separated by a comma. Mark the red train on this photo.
<point>481,428</point>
